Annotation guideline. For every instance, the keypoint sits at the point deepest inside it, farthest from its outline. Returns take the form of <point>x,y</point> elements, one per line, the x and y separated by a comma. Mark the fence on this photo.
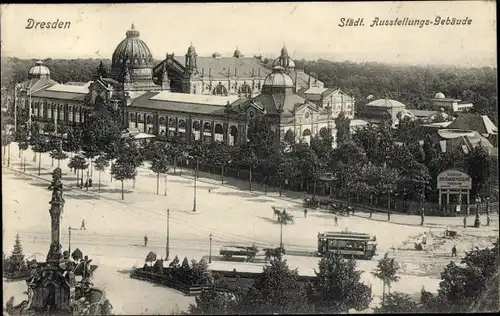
<point>378,203</point>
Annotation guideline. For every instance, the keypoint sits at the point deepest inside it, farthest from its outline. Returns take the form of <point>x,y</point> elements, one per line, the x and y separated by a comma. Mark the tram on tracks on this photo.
<point>349,244</point>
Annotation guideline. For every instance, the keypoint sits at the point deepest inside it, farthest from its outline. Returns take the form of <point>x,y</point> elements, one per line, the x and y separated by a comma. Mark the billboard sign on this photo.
<point>454,180</point>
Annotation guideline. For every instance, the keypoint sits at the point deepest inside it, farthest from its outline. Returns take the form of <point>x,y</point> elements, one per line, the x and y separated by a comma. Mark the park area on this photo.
<point>115,229</point>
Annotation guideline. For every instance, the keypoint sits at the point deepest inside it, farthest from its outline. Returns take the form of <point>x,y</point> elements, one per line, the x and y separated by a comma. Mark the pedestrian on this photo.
<point>336,220</point>
<point>488,220</point>
<point>305,213</point>
<point>81,183</point>
<point>454,251</point>
<point>465,221</point>
<point>87,184</point>
<point>82,227</point>
<point>145,240</point>
<point>209,191</point>
<point>90,182</point>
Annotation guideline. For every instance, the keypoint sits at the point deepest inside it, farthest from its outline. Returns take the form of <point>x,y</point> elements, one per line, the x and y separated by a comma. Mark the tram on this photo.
<point>350,244</point>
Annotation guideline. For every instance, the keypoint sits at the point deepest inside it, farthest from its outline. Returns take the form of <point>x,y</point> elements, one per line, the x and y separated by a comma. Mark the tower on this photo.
<point>191,79</point>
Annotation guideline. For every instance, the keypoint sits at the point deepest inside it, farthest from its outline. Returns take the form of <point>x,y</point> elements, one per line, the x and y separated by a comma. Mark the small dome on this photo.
<point>237,53</point>
<point>132,51</point>
<point>39,70</point>
<point>278,78</point>
<point>439,95</point>
<point>216,55</point>
<point>284,60</point>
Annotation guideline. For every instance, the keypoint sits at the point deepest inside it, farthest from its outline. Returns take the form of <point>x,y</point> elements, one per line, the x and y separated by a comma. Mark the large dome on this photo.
<point>278,78</point>
<point>133,52</point>
<point>39,71</point>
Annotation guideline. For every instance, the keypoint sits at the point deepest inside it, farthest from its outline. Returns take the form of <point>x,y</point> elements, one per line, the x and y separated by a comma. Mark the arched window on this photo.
<point>171,122</point>
<point>245,90</point>
<point>219,133</point>
<point>233,136</point>
<point>182,124</point>
<point>219,90</point>
<point>163,121</point>
<point>196,125</point>
<point>149,120</point>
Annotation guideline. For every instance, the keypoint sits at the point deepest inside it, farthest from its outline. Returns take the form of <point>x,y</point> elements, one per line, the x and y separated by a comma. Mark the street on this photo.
<point>115,228</point>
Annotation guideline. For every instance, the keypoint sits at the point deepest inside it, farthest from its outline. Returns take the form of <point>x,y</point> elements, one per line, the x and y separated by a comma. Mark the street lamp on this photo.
<point>195,178</point>
<point>210,249</point>
<point>167,247</point>
<point>69,238</point>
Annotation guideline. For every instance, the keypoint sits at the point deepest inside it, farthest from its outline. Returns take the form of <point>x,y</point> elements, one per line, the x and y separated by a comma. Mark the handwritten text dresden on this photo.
<point>34,24</point>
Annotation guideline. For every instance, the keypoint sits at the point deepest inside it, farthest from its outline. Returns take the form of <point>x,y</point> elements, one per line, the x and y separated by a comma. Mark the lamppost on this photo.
<point>69,238</point>
<point>167,247</point>
<point>195,178</point>
<point>210,248</point>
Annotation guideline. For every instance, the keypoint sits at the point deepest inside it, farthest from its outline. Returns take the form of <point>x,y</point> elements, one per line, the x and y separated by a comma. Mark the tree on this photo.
<point>213,302</point>
<point>176,148</point>
<point>39,144</point>
<point>78,163</point>
<point>337,286</point>
<point>16,260</point>
<point>101,163</point>
<point>220,154</point>
<point>249,158</point>
<point>386,183</point>
<point>472,287</point>
<point>22,138</point>
<point>122,170</point>
<point>415,179</point>
<point>342,124</point>
<point>397,303</point>
<point>72,142</point>
<point>386,271</point>
<point>276,290</point>
<point>58,154</point>
<point>159,164</point>
<point>479,166</point>
<point>150,258</point>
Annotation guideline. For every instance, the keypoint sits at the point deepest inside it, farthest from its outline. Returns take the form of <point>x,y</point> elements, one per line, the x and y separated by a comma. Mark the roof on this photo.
<point>386,103</point>
<point>272,102</point>
<point>437,124</point>
<point>195,98</point>
<point>69,88</point>
<point>422,113</point>
<point>147,101</point>
<point>60,95</point>
<point>74,83</point>
<point>37,84</point>
<point>475,122</point>
<point>315,90</point>
<point>219,67</point>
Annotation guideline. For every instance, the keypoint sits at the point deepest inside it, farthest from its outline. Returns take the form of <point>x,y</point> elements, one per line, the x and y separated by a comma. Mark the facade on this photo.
<point>209,98</point>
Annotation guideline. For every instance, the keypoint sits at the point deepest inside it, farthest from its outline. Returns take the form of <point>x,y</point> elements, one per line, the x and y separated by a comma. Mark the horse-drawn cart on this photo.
<point>227,252</point>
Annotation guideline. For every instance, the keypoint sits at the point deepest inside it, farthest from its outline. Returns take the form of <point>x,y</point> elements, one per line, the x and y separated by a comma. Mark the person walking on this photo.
<point>82,227</point>
<point>145,240</point>
<point>454,251</point>
<point>90,182</point>
<point>87,184</point>
<point>336,220</point>
<point>488,220</point>
<point>465,221</point>
<point>305,213</point>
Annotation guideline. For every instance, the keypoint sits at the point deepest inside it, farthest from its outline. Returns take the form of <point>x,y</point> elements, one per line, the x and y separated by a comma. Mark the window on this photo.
<point>77,115</point>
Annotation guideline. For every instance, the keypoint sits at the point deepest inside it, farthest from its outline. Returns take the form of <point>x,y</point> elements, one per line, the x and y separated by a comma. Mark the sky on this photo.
<point>309,30</point>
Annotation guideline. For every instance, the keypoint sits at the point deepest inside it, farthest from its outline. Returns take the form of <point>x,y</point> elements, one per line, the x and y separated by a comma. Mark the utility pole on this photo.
<point>166,183</point>
<point>281,233</point>
<point>167,247</point>
<point>194,200</point>
<point>210,249</point>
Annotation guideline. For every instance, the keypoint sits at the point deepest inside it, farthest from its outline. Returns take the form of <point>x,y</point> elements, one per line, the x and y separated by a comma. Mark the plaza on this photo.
<point>115,227</point>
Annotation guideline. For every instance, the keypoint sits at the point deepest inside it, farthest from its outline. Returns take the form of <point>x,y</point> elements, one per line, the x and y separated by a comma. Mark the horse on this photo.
<point>276,213</point>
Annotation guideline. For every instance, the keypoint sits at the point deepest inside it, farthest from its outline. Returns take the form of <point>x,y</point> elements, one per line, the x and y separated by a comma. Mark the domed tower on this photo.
<point>191,82</point>
<point>284,61</point>
<point>278,82</point>
<point>191,63</point>
<point>39,71</point>
<point>132,60</point>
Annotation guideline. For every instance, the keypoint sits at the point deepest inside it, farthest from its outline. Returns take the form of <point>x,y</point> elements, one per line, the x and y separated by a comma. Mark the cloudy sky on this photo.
<point>309,30</point>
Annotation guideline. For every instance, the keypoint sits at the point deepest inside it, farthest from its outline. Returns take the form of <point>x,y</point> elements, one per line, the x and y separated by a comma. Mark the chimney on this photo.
<point>210,72</point>
<point>236,72</point>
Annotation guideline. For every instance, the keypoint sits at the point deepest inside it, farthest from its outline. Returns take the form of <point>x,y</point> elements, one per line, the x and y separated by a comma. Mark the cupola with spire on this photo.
<point>237,53</point>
